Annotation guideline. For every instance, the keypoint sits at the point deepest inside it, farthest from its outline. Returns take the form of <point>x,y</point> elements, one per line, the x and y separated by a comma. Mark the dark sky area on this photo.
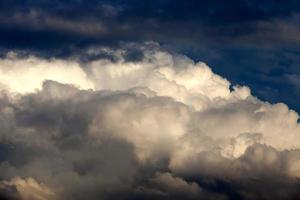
<point>254,43</point>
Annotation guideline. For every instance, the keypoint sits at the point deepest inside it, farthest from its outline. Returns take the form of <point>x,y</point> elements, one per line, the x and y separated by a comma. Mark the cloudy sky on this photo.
<point>149,100</point>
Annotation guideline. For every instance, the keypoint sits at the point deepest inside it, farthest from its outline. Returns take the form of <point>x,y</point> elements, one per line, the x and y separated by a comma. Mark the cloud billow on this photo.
<point>157,127</point>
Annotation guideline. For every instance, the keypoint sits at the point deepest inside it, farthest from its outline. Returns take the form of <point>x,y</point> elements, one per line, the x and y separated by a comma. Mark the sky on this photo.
<point>153,99</point>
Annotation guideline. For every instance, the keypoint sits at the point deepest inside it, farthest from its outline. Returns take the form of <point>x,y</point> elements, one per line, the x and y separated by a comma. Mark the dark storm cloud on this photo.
<point>63,23</point>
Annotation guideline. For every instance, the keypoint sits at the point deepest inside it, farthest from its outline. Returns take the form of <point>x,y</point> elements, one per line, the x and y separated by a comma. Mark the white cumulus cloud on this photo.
<point>156,127</point>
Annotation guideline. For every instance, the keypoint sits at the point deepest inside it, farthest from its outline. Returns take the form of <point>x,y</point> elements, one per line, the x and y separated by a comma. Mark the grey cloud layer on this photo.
<point>243,23</point>
<point>161,127</point>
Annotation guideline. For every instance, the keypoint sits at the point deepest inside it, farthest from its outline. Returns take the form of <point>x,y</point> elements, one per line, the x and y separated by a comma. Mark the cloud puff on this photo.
<point>27,75</point>
<point>152,128</point>
<point>28,189</point>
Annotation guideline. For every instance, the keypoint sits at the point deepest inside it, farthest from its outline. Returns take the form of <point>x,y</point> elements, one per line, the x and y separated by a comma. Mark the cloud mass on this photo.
<point>155,126</point>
